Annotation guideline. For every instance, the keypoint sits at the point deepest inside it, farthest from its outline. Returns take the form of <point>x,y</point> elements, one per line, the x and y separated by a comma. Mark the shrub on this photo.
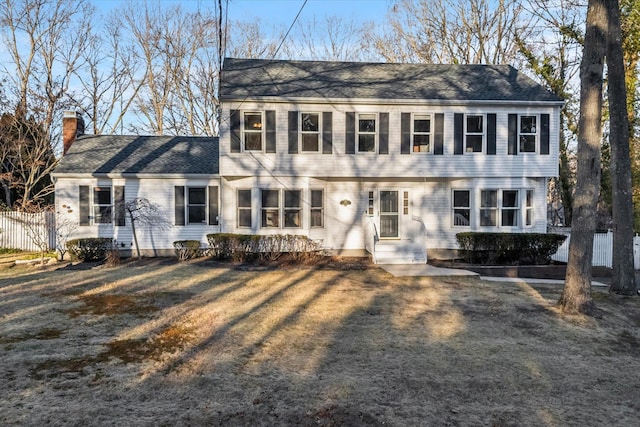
<point>186,249</point>
<point>241,247</point>
<point>508,248</point>
<point>89,249</point>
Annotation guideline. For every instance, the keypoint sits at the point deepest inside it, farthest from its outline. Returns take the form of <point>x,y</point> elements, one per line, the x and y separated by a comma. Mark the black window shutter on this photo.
<point>293,132</point>
<point>213,205</point>
<point>118,200</point>
<point>544,134</point>
<point>405,133</point>
<point>491,134</point>
<point>84,209</point>
<point>513,135</point>
<point>438,137</point>
<point>270,146</point>
<point>234,125</point>
<point>327,132</point>
<point>383,137</point>
<point>458,137</point>
<point>350,133</point>
<point>179,205</point>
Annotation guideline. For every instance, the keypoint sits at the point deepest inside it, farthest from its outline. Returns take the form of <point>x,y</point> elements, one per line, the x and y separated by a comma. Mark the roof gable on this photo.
<point>256,78</point>
<point>111,154</point>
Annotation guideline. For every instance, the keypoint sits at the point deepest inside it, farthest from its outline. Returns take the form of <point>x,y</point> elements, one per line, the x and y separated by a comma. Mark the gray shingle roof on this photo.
<point>255,78</point>
<point>133,154</point>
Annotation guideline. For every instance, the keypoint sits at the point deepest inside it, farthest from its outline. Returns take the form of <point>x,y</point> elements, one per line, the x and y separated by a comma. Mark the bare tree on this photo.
<point>623,280</point>
<point>576,296</point>
<point>44,40</point>
<point>450,31</point>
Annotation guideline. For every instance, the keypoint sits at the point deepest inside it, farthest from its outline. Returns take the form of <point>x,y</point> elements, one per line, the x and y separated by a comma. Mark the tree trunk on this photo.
<point>133,231</point>
<point>576,296</point>
<point>623,281</point>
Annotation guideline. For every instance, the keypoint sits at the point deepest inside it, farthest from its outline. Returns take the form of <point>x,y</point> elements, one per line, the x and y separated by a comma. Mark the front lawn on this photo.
<point>205,343</point>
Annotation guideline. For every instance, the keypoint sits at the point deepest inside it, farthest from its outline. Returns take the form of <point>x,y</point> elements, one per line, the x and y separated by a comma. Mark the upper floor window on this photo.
<point>461,208</point>
<point>310,131</point>
<point>421,137</point>
<point>474,133</point>
<point>253,131</point>
<point>102,205</point>
<point>527,133</point>
<point>366,133</point>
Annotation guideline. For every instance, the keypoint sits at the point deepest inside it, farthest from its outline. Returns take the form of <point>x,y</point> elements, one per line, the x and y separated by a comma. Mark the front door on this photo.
<point>389,215</point>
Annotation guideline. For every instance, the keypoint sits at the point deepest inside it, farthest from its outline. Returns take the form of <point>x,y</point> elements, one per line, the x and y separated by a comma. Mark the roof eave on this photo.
<point>381,101</point>
<point>80,175</point>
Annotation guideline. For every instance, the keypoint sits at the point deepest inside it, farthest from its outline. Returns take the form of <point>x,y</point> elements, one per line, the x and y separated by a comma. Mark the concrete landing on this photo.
<point>426,270</point>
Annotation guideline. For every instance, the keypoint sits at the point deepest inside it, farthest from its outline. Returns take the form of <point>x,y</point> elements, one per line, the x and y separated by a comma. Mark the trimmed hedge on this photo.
<point>242,247</point>
<point>90,249</point>
<point>508,248</point>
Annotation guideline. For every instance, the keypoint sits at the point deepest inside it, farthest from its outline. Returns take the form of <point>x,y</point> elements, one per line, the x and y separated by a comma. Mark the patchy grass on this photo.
<point>341,343</point>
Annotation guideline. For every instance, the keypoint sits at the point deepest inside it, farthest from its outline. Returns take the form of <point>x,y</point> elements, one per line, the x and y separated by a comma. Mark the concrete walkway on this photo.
<point>426,270</point>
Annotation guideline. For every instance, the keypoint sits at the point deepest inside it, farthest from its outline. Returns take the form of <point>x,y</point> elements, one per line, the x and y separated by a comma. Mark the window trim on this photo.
<point>286,208</point>
<point>454,207</point>
<point>246,131</point>
<point>376,119</point>
<point>466,133</point>
<point>302,132</point>
<point>517,208</point>
<point>536,134</point>
<point>430,133</point>
<point>188,205</point>
<point>491,208</point>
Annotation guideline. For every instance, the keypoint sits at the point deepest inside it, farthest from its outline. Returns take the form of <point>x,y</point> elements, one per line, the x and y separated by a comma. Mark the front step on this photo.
<point>399,252</point>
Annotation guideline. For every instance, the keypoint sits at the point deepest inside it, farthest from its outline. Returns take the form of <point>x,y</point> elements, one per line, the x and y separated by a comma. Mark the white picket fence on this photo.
<point>602,250</point>
<point>20,230</point>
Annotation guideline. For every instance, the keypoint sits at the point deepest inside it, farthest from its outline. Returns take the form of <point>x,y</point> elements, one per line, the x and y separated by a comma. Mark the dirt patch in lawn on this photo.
<point>343,342</point>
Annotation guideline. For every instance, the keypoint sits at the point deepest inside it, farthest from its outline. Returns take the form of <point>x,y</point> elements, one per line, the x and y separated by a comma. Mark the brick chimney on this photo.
<point>72,127</point>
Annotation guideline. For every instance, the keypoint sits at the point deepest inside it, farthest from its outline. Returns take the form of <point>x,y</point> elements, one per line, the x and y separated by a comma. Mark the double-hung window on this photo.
<point>488,208</point>
<point>366,130</point>
<point>461,208</point>
<point>421,137</point>
<point>527,133</point>
<point>528,217</point>
<point>244,208</point>
<point>510,208</point>
<point>196,205</point>
<point>270,208</point>
<point>102,206</point>
<point>292,209</point>
<point>474,133</point>
<point>253,131</point>
<point>310,132</point>
<point>317,209</point>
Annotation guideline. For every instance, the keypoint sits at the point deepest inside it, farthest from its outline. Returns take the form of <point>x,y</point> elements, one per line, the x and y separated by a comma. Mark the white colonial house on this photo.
<point>391,159</point>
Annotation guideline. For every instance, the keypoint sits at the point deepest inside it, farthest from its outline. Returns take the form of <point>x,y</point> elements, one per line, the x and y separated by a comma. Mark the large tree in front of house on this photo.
<point>576,295</point>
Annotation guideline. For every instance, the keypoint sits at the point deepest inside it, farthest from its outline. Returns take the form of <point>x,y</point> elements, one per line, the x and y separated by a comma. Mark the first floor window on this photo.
<point>474,136</point>
<point>244,208</point>
<point>310,130</point>
<point>367,133</point>
<point>196,205</point>
<point>488,208</point>
<point>270,208</point>
<point>510,208</point>
<point>317,208</point>
<point>102,205</point>
<point>529,208</point>
<point>292,209</point>
<point>461,208</point>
